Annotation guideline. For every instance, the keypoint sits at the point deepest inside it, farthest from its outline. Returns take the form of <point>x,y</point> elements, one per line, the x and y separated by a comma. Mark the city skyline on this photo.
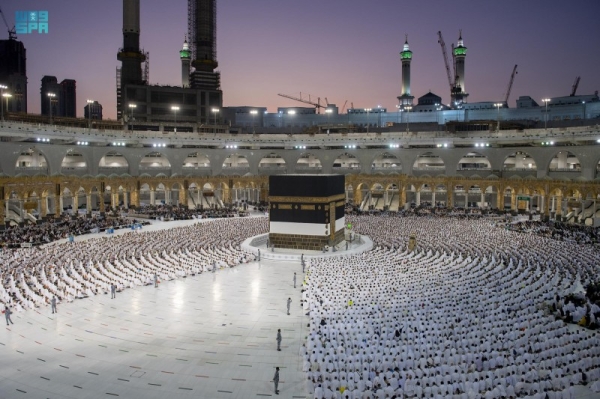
<point>339,50</point>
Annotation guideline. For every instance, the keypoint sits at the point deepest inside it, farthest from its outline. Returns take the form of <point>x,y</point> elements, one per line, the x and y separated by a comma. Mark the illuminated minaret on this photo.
<point>186,58</point>
<point>406,57</point>
<point>460,53</point>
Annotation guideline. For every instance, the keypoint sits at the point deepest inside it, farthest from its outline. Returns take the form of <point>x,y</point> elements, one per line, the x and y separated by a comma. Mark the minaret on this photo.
<point>186,58</point>
<point>460,53</point>
<point>406,57</point>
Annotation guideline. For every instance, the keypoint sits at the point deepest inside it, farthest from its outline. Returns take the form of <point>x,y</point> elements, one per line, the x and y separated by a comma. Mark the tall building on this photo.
<point>93,111</point>
<point>50,86</point>
<point>460,53</point>
<point>130,55</point>
<point>63,99</point>
<point>13,74</point>
<point>68,98</point>
<point>405,99</point>
<point>202,31</point>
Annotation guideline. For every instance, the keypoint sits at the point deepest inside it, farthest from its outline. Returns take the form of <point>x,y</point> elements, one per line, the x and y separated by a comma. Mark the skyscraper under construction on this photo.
<point>202,31</point>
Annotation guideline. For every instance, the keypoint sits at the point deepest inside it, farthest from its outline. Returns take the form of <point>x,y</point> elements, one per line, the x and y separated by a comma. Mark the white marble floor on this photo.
<point>208,336</point>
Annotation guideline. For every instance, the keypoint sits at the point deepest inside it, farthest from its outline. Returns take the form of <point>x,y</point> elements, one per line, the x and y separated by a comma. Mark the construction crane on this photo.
<point>575,85</point>
<point>455,90</point>
<point>344,107</point>
<point>317,104</point>
<point>12,33</point>
<point>445,54</point>
<point>510,83</point>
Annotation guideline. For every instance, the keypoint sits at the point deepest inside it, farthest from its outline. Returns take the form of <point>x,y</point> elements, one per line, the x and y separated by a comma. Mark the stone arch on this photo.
<point>386,163</point>
<point>113,162</point>
<point>564,161</point>
<point>308,162</point>
<point>32,161</point>
<point>429,162</point>
<point>196,163</point>
<point>346,162</point>
<point>360,193</point>
<point>474,161</point>
<point>155,161</point>
<point>144,194</point>
<point>236,164</point>
<point>272,163</point>
<point>519,161</point>
<point>74,162</point>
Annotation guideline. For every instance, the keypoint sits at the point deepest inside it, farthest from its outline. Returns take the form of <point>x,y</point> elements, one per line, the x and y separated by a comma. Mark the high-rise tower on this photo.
<point>130,55</point>
<point>202,32</point>
<point>460,53</point>
<point>13,74</point>
<point>406,57</point>
<point>186,58</point>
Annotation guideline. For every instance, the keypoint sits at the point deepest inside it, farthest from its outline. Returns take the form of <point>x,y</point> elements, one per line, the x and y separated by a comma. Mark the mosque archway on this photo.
<point>519,161</point>
<point>236,164</point>
<point>386,163</point>
<point>429,162</point>
<point>474,161</point>
<point>155,163</point>
<point>271,164</point>
<point>113,162</point>
<point>196,164</point>
<point>308,163</point>
<point>564,165</point>
<point>346,163</point>
<point>32,161</point>
<point>74,163</point>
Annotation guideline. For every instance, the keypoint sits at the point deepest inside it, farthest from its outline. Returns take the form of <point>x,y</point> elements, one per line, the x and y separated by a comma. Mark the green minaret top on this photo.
<point>406,54</point>
<point>185,52</point>
<point>460,49</point>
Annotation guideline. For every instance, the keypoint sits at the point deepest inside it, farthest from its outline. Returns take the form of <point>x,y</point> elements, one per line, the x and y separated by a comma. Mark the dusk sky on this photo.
<point>339,49</point>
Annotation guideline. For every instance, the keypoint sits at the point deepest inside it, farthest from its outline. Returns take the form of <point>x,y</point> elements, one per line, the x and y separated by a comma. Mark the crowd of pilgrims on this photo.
<point>558,231</point>
<point>49,231</point>
<point>30,277</point>
<point>179,212</point>
<point>473,312</point>
<point>427,211</point>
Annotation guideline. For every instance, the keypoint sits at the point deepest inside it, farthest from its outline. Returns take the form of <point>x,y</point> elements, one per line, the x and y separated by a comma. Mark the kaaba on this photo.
<point>306,211</point>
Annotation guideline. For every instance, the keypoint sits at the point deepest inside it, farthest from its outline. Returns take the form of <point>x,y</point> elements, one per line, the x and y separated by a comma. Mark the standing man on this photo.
<point>7,313</point>
<point>214,266</point>
<point>289,301</point>
<point>113,291</point>
<point>294,279</point>
<point>278,339</point>
<point>276,380</point>
<point>53,304</point>
<point>155,280</point>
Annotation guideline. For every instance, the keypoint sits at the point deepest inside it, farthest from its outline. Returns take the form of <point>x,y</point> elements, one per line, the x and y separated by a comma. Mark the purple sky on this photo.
<point>339,49</point>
